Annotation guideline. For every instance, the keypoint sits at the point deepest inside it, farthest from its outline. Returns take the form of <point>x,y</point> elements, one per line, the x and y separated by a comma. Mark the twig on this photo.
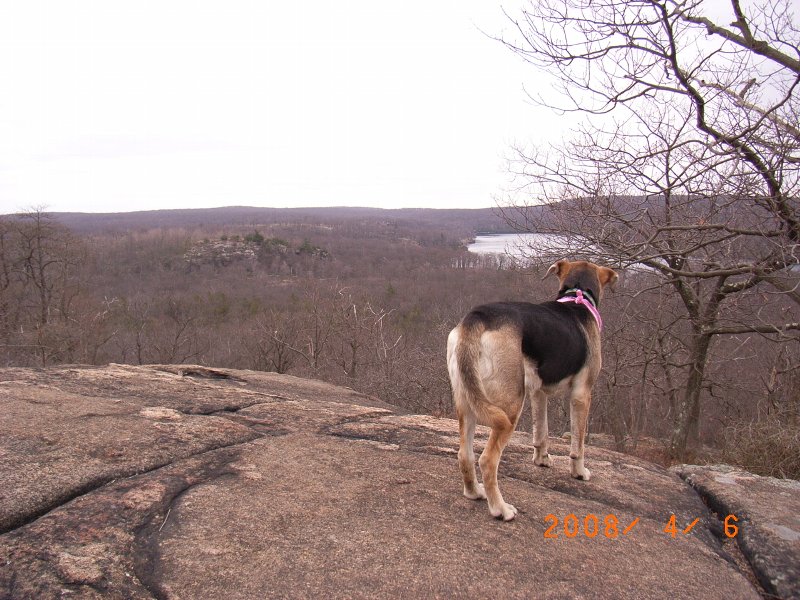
<point>165,520</point>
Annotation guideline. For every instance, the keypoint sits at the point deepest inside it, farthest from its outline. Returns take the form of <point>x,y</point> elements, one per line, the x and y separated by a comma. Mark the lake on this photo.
<point>516,245</point>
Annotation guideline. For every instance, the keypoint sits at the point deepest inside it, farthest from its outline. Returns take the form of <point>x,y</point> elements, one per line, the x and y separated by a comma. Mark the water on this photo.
<point>515,245</point>
<point>524,247</point>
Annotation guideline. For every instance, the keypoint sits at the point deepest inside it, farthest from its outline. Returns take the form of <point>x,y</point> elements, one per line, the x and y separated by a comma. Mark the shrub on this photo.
<point>770,447</point>
<point>254,237</point>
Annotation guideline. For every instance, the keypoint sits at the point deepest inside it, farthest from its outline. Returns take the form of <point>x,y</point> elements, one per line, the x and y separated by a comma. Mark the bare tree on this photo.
<point>38,263</point>
<point>688,165</point>
<point>317,305</point>
<point>6,278</point>
<point>276,345</point>
<point>177,339</point>
<point>354,324</point>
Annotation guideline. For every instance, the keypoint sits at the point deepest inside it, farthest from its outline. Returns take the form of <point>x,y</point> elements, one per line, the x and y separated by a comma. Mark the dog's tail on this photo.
<point>464,353</point>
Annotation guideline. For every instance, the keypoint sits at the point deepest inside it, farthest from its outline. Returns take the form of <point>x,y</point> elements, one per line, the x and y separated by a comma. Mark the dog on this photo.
<point>502,353</point>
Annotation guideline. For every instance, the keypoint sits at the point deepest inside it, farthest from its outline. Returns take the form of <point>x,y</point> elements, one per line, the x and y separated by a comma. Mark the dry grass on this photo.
<point>769,447</point>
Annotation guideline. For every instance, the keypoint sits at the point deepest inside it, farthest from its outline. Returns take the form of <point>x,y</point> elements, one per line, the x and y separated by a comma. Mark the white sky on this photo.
<point>115,106</point>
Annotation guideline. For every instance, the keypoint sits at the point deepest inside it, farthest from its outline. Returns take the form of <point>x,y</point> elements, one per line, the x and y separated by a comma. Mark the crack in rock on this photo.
<point>146,547</point>
<point>87,544</point>
<point>759,504</point>
<point>99,482</point>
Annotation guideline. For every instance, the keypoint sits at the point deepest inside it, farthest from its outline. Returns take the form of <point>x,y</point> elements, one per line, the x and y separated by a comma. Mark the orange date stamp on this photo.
<point>610,526</point>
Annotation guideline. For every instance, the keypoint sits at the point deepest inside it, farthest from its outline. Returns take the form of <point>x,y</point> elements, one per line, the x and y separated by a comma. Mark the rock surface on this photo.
<point>186,482</point>
<point>767,513</point>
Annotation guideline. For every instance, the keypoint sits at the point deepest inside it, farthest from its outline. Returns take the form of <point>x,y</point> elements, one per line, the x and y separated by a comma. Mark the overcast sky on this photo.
<point>117,106</point>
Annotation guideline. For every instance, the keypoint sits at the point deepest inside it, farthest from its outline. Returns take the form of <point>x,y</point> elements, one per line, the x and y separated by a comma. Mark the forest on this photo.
<point>365,298</point>
<point>358,297</point>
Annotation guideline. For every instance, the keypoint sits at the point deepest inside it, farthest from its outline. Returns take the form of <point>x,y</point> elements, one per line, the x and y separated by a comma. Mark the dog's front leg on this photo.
<point>580,400</point>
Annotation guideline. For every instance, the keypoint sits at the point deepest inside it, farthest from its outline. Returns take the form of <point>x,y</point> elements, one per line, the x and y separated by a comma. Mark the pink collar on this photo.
<point>579,299</point>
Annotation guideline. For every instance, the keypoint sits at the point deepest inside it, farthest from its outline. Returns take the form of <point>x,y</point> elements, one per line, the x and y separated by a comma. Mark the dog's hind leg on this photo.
<point>502,428</point>
<point>538,400</point>
<point>579,402</point>
<point>466,455</point>
<point>466,421</point>
<point>540,430</point>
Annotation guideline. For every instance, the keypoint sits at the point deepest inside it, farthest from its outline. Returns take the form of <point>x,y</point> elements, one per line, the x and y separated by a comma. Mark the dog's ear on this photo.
<point>607,277</point>
<point>560,269</point>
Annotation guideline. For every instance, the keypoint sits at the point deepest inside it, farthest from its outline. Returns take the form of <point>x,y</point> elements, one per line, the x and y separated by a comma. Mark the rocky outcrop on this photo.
<point>767,514</point>
<point>222,252</point>
<point>187,482</point>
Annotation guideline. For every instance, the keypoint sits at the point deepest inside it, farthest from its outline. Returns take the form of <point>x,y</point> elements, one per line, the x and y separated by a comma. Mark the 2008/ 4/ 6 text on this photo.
<point>610,526</point>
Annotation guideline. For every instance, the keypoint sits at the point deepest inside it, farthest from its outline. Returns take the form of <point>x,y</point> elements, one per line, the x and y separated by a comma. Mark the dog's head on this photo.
<point>583,275</point>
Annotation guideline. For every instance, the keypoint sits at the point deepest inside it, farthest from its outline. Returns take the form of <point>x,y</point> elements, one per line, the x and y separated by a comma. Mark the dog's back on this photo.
<point>552,335</point>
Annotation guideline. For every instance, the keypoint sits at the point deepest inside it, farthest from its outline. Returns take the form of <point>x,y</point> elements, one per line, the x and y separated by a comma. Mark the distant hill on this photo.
<point>474,220</point>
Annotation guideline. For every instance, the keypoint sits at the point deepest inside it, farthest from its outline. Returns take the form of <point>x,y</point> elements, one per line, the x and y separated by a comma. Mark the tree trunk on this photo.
<point>687,417</point>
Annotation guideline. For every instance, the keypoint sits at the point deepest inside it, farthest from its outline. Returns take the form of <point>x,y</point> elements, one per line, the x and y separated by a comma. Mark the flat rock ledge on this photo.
<point>180,481</point>
<point>767,513</point>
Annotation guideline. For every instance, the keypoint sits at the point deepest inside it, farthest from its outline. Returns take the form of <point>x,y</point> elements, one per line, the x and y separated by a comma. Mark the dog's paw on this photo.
<point>505,511</point>
<point>542,460</point>
<point>583,474</point>
<point>479,493</point>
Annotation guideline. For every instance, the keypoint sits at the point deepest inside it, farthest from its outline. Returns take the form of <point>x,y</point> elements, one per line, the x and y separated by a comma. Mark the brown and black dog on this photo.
<point>505,352</point>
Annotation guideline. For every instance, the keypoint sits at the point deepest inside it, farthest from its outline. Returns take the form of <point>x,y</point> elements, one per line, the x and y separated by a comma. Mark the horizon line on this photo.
<point>238,206</point>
